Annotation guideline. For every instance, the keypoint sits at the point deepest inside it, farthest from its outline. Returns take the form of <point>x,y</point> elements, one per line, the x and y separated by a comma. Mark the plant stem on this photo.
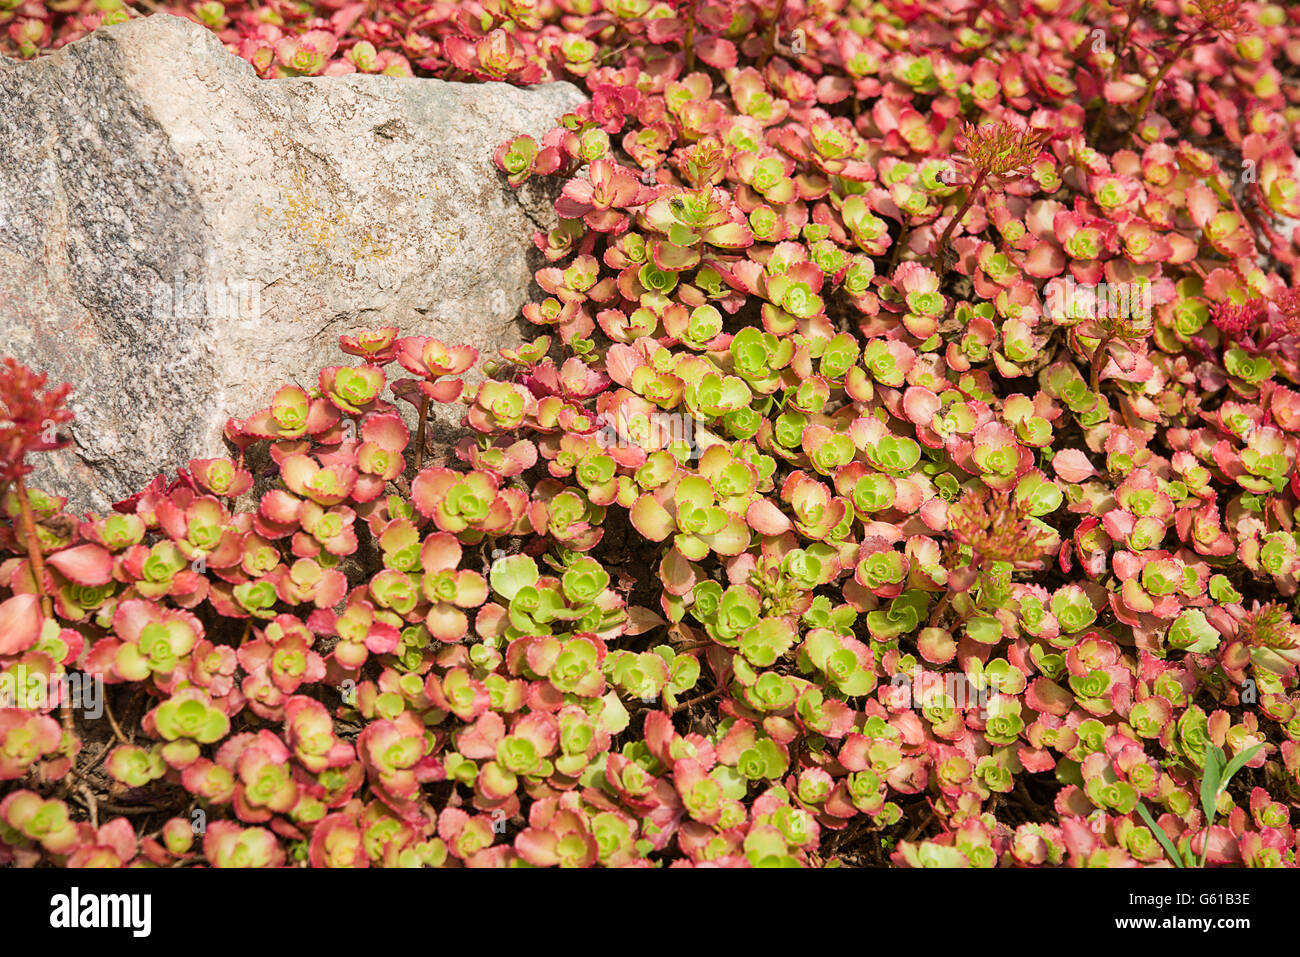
<point>37,561</point>
<point>1115,65</point>
<point>704,697</point>
<point>1094,366</point>
<point>1279,247</point>
<point>1123,37</point>
<point>689,43</point>
<point>1027,802</point>
<point>952,223</point>
<point>772,32</point>
<point>419,435</point>
<point>691,646</point>
<point>112,720</point>
<point>940,608</point>
<point>1145,103</point>
<point>34,556</point>
<point>76,773</point>
<point>1123,403</point>
<point>921,825</point>
<point>898,248</point>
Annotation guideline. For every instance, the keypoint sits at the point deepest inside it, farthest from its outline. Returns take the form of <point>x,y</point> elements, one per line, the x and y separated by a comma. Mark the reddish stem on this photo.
<point>1145,103</point>
<point>772,32</point>
<point>691,646</point>
<point>704,697</point>
<point>37,561</point>
<point>33,545</point>
<point>898,248</point>
<point>419,435</point>
<point>1280,247</point>
<point>689,43</point>
<point>940,608</point>
<point>112,720</point>
<point>1115,65</point>
<point>1123,38</point>
<point>1095,365</point>
<point>952,223</point>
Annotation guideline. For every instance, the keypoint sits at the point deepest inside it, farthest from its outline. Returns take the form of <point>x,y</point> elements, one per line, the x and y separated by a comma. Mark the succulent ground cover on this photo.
<point>905,472</point>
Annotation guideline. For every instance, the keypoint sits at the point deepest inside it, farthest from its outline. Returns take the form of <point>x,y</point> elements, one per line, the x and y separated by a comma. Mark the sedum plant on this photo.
<point>904,473</point>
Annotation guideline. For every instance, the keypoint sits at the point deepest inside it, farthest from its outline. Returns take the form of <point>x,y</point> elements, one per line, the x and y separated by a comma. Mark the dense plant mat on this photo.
<point>906,474</point>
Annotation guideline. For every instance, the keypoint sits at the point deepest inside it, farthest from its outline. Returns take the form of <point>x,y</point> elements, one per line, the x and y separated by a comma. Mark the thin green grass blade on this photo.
<point>1160,834</point>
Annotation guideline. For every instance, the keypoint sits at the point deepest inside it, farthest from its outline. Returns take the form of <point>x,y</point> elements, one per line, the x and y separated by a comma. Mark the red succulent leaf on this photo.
<point>87,565</point>
<point>20,623</point>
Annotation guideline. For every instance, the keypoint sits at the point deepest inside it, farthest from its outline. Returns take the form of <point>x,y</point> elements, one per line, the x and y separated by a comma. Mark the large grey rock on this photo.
<point>179,238</point>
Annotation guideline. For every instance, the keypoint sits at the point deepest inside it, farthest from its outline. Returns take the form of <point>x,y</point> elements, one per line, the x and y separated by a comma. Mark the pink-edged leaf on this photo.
<point>280,507</point>
<point>730,236</point>
<point>471,588</point>
<point>1047,697</point>
<point>444,390</point>
<point>920,405</point>
<point>1123,91</point>
<point>641,620</point>
<point>20,623</point>
<point>651,519</point>
<point>446,623</point>
<point>1072,465</point>
<point>677,573</point>
<point>440,551</point>
<point>1036,760</point>
<point>621,361</point>
<point>382,639</point>
<point>766,519</point>
<point>388,431</point>
<point>537,847</point>
<point>936,646</point>
<point>89,565</point>
<point>716,52</point>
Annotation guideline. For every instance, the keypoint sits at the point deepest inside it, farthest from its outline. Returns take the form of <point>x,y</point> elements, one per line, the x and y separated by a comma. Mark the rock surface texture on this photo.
<point>179,238</point>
